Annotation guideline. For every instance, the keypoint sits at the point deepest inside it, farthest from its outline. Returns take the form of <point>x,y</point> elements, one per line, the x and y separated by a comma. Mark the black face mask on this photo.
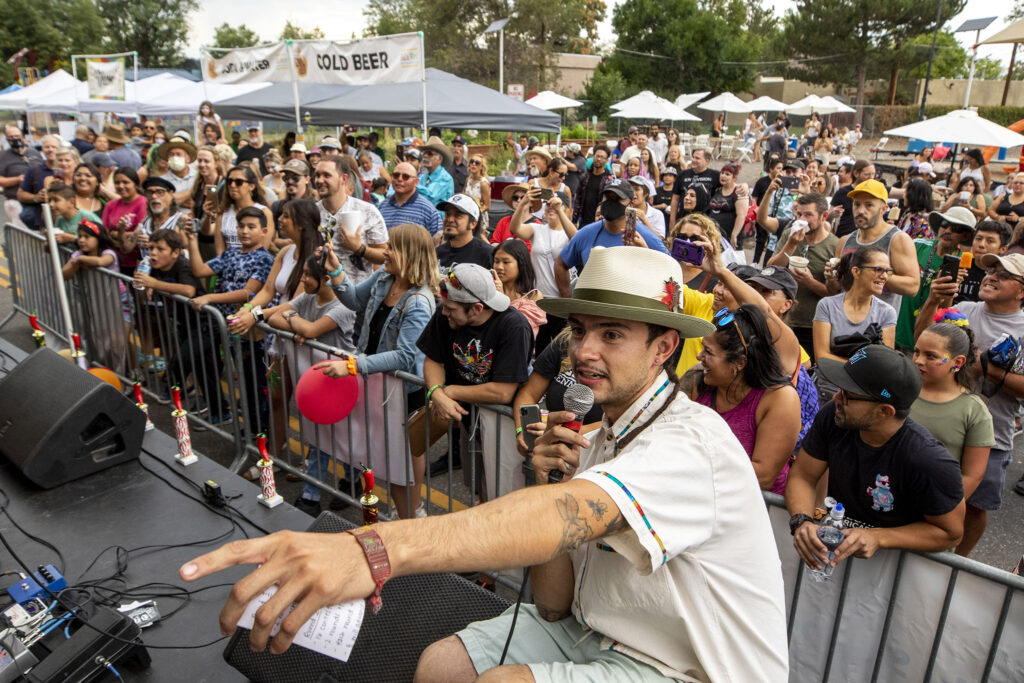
<point>612,210</point>
<point>17,146</point>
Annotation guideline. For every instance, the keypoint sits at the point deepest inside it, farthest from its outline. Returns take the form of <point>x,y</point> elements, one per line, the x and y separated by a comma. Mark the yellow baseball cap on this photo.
<point>869,188</point>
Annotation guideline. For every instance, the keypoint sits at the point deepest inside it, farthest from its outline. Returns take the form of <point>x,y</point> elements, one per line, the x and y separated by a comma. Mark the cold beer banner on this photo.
<point>387,59</point>
<point>105,78</point>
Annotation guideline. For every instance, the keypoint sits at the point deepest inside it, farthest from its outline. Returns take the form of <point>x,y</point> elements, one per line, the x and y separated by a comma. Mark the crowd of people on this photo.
<point>869,350</point>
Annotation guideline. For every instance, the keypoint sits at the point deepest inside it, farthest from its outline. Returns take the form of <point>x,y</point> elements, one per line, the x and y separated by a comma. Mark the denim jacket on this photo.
<point>397,349</point>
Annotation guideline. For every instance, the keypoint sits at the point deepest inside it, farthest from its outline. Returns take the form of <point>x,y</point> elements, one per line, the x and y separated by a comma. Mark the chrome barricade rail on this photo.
<point>32,279</point>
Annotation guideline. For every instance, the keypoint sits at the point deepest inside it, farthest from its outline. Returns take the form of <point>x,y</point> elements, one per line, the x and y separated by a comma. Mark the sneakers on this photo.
<point>310,507</point>
<point>440,466</point>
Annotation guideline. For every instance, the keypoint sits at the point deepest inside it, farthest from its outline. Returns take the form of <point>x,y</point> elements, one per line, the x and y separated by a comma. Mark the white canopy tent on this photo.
<point>185,100</point>
<point>75,99</point>
<point>550,100</point>
<point>963,127</point>
<point>834,106</point>
<point>688,99</point>
<point>726,102</point>
<point>658,109</point>
<point>765,103</point>
<point>57,81</point>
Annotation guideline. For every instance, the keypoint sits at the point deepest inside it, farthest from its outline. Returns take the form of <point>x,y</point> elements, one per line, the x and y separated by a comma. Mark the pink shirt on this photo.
<point>136,212</point>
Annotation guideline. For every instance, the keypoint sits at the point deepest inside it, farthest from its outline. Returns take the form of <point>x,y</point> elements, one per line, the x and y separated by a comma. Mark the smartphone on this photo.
<point>630,233</point>
<point>950,266</point>
<point>211,189</point>
<point>686,251</point>
<point>528,415</point>
<point>546,193</point>
<point>789,182</point>
<point>616,169</point>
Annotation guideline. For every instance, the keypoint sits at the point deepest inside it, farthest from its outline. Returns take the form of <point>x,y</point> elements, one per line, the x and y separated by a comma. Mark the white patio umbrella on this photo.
<point>688,99</point>
<point>765,103</point>
<point>644,96</point>
<point>834,106</point>
<point>658,109</point>
<point>726,102</point>
<point>549,100</point>
<point>963,127</point>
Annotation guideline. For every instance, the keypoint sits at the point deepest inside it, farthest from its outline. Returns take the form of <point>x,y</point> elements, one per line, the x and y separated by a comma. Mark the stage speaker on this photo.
<point>59,423</point>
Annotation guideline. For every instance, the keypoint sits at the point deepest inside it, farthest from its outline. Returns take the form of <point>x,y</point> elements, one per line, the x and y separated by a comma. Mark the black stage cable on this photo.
<point>40,541</point>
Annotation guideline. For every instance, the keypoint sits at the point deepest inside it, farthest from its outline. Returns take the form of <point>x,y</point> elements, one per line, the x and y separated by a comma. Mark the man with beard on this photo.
<point>842,204</point>
<point>163,212</point>
<point>360,249</point>
<point>14,162</point>
<point>461,245</point>
<point>35,180</point>
<point>697,174</point>
<point>296,185</point>
<point>900,486</point>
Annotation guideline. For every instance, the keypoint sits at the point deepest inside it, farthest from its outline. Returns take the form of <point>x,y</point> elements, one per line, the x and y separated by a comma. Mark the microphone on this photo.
<point>579,399</point>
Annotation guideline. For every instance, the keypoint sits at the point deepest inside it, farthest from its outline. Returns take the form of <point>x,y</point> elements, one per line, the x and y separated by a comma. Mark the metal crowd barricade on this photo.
<point>32,280</point>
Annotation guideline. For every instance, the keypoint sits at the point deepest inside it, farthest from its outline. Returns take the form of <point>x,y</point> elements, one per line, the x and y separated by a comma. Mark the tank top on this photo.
<point>885,244</point>
<point>742,420</point>
<point>473,189</point>
<point>975,173</point>
<point>288,263</point>
<point>229,227</point>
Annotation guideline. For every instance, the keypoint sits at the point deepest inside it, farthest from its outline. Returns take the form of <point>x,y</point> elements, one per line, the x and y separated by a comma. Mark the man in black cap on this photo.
<point>900,486</point>
<point>163,212</point>
<point>296,186</point>
<point>458,169</point>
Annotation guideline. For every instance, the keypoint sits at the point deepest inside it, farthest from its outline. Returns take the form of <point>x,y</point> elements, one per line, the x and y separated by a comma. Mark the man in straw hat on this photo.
<point>179,155</point>
<point>655,562</point>
<point>436,184</point>
<point>119,151</point>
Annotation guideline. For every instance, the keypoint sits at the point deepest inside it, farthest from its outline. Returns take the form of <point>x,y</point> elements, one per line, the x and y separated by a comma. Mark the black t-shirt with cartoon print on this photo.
<point>898,483</point>
<point>497,351</point>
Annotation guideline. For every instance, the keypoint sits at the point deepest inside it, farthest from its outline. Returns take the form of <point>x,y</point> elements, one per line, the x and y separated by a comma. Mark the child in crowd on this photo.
<point>316,314</point>
<point>241,272</point>
<point>66,214</point>
<point>378,190</point>
<point>990,237</point>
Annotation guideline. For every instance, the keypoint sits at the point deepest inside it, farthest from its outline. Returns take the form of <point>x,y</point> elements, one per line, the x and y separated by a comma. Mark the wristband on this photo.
<point>361,250</point>
<point>247,305</point>
<point>519,430</point>
<point>257,314</point>
<point>377,557</point>
<point>339,271</point>
<point>431,391</point>
<point>351,362</point>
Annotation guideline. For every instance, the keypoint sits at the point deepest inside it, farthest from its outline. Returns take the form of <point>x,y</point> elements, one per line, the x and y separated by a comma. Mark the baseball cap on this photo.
<point>573,147</point>
<point>640,180</point>
<point>669,170</point>
<point>330,143</point>
<point>1011,263</point>
<point>296,166</point>
<point>619,187</point>
<point>255,126</point>
<point>103,160</point>
<point>793,163</point>
<point>534,140</point>
<point>632,129</point>
<point>845,161</point>
<point>925,168</point>
<point>869,188</point>
<point>463,203</point>
<point>413,152</point>
<point>742,270</point>
<point>776,278</point>
<point>469,283</point>
<point>459,140</point>
<point>298,147</point>
<point>878,372</point>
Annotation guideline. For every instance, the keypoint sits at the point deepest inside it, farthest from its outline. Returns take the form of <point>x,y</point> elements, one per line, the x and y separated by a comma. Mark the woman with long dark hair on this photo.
<point>918,203</point>
<point>86,180</point>
<point>242,189</point>
<point>969,195</point>
<point>948,407</point>
<point>123,215</point>
<point>742,380</point>
<point>514,276</point>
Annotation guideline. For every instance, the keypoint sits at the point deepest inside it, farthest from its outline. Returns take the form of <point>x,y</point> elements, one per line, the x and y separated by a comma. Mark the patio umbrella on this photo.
<point>642,97</point>
<point>806,106</point>
<point>658,109</point>
<point>834,106</point>
<point>765,103</point>
<point>687,99</point>
<point>963,127</point>
<point>726,102</point>
<point>547,99</point>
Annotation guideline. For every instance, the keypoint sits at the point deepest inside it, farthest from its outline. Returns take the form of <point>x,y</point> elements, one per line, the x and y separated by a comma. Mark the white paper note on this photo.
<point>331,631</point>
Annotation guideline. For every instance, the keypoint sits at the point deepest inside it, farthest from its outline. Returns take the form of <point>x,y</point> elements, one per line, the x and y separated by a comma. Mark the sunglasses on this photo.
<point>723,318</point>
<point>562,174</point>
<point>474,162</point>
<point>956,227</point>
<point>452,280</point>
<point>847,397</point>
<point>291,178</point>
<point>518,197</point>
<point>237,182</point>
<point>402,176</point>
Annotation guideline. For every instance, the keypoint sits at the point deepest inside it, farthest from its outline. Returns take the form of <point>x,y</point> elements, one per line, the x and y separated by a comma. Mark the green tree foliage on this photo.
<point>846,42</point>
<point>454,40</point>
<point>157,29</point>
<point>988,69</point>
<point>53,30</point>
<point>673,46</point>
<point>951,59</point>
<point>603,89</point>
<point>228,36</point>
<point>293,32</point>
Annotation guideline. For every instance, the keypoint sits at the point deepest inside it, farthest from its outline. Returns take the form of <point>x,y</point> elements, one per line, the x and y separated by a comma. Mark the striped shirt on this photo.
<point>417,210</point>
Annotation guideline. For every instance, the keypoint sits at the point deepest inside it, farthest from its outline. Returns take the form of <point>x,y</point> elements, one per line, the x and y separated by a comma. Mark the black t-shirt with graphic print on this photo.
<point>898,483</point>
<point>497,351</point>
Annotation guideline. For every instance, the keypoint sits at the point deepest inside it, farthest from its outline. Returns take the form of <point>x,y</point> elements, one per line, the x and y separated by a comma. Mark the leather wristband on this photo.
<point>797,520</point>
<point>377,558</point>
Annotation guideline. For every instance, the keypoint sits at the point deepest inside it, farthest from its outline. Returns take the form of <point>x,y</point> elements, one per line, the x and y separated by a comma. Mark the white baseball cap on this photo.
<point>640,180</point>
<point>463,203</point>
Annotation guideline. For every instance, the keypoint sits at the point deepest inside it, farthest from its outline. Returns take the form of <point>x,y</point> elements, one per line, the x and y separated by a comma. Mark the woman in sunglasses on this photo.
<point>242,190</point>
<point>479,188</point>
<point>742,380</point>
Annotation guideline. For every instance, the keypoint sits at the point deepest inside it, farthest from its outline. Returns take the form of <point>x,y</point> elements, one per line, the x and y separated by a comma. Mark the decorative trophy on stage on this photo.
<point>268,487</point>
<point>185,455</point>
<point>141,404</point>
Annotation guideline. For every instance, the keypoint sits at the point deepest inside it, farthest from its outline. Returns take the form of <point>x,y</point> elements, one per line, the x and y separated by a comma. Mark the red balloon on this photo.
<point>325,400</point>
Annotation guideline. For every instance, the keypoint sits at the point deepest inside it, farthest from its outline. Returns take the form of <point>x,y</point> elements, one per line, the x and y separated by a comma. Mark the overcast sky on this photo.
<point>342,18</point>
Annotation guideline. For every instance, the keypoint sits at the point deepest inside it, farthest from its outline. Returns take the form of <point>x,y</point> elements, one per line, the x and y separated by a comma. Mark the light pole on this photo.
<point>499,28</point>
<point>977,25</point>
<point>931,58</point>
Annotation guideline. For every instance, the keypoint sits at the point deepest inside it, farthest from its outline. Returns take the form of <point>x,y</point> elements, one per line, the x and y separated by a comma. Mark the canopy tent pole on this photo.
<point>423,81</point>
<point>299,136</point>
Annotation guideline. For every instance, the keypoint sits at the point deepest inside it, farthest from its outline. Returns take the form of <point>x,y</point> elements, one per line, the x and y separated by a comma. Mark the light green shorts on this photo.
<point>551,651</point>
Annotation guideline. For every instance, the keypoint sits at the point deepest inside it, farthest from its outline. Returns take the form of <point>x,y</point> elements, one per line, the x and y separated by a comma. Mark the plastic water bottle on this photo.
<point>142,269</point>
<point>830,532</point>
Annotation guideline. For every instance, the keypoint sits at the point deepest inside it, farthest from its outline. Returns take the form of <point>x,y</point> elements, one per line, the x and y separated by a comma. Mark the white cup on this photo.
<point>350,221</point>
<point>798,262</point>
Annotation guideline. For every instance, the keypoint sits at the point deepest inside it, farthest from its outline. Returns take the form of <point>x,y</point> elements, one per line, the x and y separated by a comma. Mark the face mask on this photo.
<point>176,164</point>
<point>206,111</point>
<point>17,145</point>
<point>533,171</point>
<point>612,210</point>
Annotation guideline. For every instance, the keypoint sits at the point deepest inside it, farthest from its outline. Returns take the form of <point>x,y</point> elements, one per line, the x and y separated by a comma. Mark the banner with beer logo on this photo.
<point>105,76</point>
<point>385,59</point>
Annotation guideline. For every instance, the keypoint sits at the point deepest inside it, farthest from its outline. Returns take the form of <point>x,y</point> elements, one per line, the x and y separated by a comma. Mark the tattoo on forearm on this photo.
<point>598,508</point>
<point>617,524</point>
<point>576,530</point>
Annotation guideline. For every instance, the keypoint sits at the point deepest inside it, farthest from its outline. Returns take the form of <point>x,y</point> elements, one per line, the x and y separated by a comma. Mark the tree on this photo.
<point>951,59</point>
<point>604,88</point>
<point>988,69</point>
<point>671,45</point>
<point>839,41</point>
<point>228,36</point>
<point>53,30</point>
<point>156,29</point>
<point>293,32</point>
